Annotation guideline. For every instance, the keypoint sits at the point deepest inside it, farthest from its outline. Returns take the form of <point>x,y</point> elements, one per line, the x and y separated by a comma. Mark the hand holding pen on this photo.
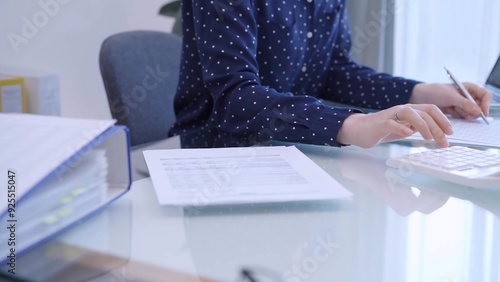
<point>461,88</point>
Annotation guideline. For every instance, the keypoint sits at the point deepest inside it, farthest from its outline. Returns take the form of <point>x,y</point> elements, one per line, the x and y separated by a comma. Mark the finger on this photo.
<point>396,131</point>
<point>409,115</point>
<point>436,129</point>
<point>440,119</point>
<point>437,117</point>
<point>464,114</point>
<point>481,95</point>
<point>485,105</point>
<point>426,120</point>
<point>453,112</point>
<point>397,128</point>
<point>470,109</point>
<point>477,92</point>
<point>430,201</point>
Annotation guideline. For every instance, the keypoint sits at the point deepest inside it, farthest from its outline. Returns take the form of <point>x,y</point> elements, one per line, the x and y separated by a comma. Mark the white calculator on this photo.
<point>457,164</point>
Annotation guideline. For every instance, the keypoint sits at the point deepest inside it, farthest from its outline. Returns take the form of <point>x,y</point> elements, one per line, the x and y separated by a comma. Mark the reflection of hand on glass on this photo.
<point>371,172</point>
<point>487,199</point>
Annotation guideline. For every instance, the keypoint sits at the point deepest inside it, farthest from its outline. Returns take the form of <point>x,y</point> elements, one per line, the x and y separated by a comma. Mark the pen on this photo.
<point>463,91</point>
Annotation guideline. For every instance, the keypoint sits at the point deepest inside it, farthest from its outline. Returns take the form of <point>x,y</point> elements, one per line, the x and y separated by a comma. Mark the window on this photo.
<point>461,35</point>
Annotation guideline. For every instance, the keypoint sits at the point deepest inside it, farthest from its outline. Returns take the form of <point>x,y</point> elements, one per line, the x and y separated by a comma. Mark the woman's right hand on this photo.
<point>368,130</point>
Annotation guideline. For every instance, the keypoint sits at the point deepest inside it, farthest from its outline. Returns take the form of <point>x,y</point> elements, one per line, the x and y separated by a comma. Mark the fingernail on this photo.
<point>444,144</point>
<point>449,130</point>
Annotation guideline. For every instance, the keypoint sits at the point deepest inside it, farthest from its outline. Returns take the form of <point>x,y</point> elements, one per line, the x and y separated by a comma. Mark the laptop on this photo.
<point>493,85</point>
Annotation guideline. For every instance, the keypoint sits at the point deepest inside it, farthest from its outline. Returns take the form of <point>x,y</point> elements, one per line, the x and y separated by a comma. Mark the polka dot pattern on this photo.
<point>262,68</point>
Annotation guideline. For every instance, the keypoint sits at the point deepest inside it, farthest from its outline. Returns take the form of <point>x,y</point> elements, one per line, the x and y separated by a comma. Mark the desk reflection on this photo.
<point>363,171</point>
<point>91,248</point>
<point>396,227</point>
<point>389,185</point>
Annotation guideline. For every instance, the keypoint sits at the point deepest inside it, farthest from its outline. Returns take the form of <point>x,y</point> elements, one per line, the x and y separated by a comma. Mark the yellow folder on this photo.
<point>12,95</point>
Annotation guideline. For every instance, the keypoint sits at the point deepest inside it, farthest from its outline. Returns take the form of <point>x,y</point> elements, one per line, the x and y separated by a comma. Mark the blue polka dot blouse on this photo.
<point>261,68</point>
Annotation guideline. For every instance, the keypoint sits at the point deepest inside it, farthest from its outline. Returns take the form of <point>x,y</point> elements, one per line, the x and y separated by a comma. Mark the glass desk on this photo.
<point>398,226</point>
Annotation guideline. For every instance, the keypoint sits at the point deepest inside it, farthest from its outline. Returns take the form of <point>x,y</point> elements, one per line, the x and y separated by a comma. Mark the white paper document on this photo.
<point>199,177</point>
<point>473,132</point>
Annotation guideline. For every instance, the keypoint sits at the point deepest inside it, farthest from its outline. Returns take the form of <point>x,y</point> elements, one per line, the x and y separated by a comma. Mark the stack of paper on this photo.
<point>62,199</point>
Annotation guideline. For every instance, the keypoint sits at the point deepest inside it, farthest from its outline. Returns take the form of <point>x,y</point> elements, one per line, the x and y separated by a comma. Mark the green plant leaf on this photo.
<point>177,27</point>
<point>170,9</point>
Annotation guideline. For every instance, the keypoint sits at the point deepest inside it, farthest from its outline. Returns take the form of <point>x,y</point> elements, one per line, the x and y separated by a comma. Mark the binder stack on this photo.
<point>56,171</point>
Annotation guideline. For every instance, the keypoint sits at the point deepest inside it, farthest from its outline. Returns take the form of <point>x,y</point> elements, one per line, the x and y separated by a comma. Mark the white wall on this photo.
<point>65,37</point>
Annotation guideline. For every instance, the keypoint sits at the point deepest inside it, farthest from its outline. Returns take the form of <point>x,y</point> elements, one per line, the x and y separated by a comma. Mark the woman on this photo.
<point>262,69</point>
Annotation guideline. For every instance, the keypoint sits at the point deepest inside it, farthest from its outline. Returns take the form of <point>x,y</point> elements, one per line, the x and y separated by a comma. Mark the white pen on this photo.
<point>463,91</point>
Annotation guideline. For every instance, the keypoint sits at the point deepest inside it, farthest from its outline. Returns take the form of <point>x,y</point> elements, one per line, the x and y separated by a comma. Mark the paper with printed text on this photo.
<point>198,177</point>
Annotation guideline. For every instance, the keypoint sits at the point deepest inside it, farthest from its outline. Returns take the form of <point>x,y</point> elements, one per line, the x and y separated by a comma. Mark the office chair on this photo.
<point>140,71</point>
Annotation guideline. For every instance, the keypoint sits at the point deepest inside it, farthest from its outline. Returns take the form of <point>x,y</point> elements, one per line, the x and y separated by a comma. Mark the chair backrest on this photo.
<point>140,70</point>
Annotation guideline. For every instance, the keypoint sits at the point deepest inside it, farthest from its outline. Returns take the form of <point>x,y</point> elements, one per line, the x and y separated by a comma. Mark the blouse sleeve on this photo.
<point>361,86</point>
